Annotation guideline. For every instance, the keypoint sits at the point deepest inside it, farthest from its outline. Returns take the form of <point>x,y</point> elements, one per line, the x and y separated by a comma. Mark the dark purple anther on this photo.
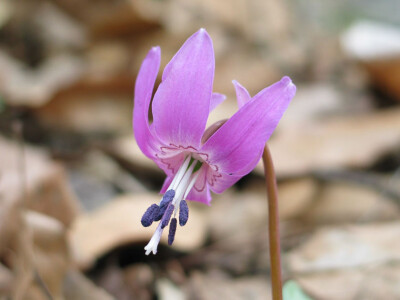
<point>150,214</point>
<point>183,213</point>
<point>167,215</point>
<point>172,230</point>
<point>167,198</point>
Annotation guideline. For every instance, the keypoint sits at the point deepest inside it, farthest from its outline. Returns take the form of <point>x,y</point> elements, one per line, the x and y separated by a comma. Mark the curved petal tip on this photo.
<point>155,49</point>
<point>242,95</point>
<point>202,32</point>
<point>286,80</point>
<point>154,53</point>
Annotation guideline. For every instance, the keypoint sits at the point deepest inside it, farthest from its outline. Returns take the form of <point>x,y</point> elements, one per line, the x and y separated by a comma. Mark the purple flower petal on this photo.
<point>222,182</point>
<point>203,196</point>
<point>170,165</point>
<point>143,92</point>
<point>242,95</point>
<point>166,184</point>
<point>182,101</point>
<point>200,191</point>
<point>216,100</point>
<point>235,147</point>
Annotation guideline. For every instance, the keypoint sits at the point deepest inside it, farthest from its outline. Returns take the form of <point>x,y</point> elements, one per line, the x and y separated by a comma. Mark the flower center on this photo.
<point>172,201</point>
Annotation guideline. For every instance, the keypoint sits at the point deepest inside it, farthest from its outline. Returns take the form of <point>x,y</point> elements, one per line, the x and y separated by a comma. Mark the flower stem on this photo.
<point>273,219</point>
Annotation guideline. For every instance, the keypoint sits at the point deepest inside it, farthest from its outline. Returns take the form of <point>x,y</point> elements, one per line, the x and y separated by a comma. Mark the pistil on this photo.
<point>155,239</point>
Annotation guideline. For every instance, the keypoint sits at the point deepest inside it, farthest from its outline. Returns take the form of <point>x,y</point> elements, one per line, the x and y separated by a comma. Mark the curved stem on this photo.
<point>273,220</point>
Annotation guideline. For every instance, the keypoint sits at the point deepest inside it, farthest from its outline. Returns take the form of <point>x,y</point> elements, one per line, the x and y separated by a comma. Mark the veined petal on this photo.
<point>200,191</point>
<point>201,182</point>
<point>242,95</point>
<point>252,164</point>
<point>236,145</point>
<point>182,101</point>
<point>223,181</point>
<point>203,196</point>
<point>170,165</point>
<point>166,184</point>
<point>143,92</point>
<point>216,100</point>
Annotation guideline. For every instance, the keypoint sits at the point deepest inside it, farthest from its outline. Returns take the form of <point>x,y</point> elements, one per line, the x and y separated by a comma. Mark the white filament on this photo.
<point>191,184</point>
<point>179,174</point>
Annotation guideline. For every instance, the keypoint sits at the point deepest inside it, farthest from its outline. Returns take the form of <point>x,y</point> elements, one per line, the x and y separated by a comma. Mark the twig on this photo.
<point>273,220</point>
<point>42,285</point>
<point>18,133</point>
<point>27,248</point>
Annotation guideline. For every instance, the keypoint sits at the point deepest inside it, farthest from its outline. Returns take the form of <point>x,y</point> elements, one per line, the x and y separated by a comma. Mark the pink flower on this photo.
<point>194,160</point>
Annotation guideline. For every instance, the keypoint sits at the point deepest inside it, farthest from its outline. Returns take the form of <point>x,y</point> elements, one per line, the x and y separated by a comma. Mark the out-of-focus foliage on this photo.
<point>73,182</point>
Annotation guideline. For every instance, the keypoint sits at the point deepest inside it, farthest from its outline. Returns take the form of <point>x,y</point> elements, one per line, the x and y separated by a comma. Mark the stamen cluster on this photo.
<point>171,201</point>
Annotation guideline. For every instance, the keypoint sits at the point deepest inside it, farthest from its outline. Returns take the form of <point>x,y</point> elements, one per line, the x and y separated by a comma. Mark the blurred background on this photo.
<point>73,183</point>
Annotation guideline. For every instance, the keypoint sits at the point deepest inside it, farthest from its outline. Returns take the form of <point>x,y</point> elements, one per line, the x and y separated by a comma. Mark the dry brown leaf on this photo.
<point>376,282</point>
<point>47,190</point>
<point>139,279</point>
<point>112,280</point>
<point>6,8</point>
<point>375,45</point>
<point>109,58</point>
<point>346,202</point>
<point>356,141</point>
<point>386,75</point>
<point>50,250</point>
<point>118,223</point>
<point>98,165</point>
<point>256,20</point>
<point>144,41</point>
<point>238,228</point>
<point>108,19</point>
<point>78,287</point>
<point>215,285</point>
<point>119,20</point>
<point>334,285</point>
<point>296,197</point>
<point>127,150</point>
<point>21,86</point>
<point>6,279</point>
<point>253,71</point>
<point>37,251</point>
<point>347,247</point>
<point>320,102</point>
<point>381,283</point>
<point>16,247</point>
<point>57,29</point>
<point>167,290</point>
<point>235,213</point>
<point>95,109</point>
